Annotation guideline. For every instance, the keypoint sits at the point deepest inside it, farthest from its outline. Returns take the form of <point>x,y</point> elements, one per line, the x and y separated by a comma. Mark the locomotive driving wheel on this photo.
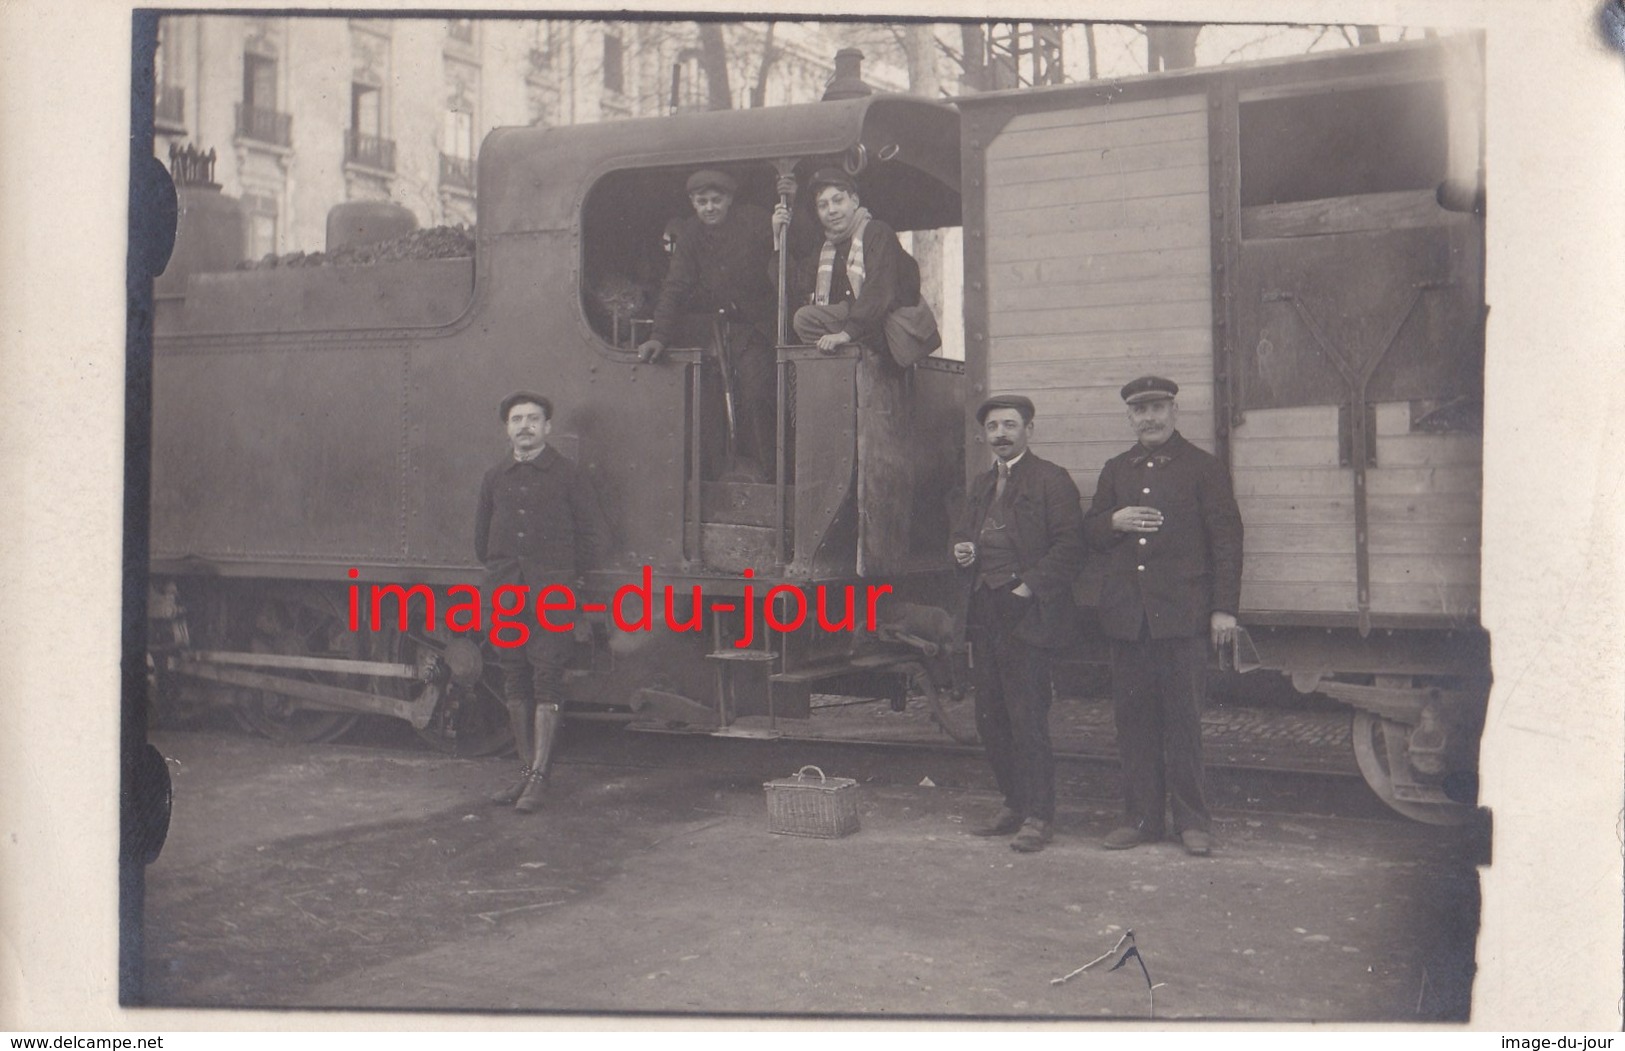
<point>1379,749</point>
<point>302,624</point>
<point>953,708</point>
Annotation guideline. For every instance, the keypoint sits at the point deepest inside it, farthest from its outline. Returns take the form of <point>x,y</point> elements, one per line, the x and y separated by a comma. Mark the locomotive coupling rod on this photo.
<point>320,694</point>
<point>279,660</point>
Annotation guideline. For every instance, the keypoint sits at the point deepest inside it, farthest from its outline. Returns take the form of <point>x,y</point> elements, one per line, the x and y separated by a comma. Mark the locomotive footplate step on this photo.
<point>756,664</point>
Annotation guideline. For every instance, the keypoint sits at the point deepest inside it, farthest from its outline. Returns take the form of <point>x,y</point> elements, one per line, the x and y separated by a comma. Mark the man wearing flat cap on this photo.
<point>721,267</point>
<point>1018,544</point>
<point>1166,521</point>
<point>537,524</point>
<point>860,287</point>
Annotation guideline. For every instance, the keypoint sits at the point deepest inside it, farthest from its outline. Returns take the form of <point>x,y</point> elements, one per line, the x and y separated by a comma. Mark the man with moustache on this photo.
<point>1167,523</point>
<point>721,266</point>
<point>537,523</point>
<point>1018,544</point>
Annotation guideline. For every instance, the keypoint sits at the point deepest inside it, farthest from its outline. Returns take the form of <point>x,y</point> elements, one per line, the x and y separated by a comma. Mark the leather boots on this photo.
<point>525,744</point>
<point>547,732</point>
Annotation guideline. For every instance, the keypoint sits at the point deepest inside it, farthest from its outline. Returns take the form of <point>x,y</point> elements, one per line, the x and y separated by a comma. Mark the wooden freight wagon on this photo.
<point>1299,244</point>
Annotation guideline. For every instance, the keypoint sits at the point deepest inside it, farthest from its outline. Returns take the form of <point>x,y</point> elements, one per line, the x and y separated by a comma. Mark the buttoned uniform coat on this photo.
<point>544,529</point>
<point>724,267</point>
<point>1176,578</point>
<point>1044,513</point>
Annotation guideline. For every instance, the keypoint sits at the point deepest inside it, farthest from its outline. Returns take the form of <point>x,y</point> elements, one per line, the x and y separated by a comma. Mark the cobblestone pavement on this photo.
<point>1314,738</point>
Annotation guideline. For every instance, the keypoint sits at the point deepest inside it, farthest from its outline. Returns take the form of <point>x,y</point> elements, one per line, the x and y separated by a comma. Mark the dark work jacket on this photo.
<point>725,267</point>
<point>1187,570</point>
<point>537,523</point>
<point>891,280</point>
<point>1044,515</point>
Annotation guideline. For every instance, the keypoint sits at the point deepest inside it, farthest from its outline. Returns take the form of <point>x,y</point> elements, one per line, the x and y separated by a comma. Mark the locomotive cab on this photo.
<point>854,434</point>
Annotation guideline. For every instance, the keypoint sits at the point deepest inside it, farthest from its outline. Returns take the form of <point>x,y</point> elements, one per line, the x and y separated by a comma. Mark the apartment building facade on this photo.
<point>306,112</point>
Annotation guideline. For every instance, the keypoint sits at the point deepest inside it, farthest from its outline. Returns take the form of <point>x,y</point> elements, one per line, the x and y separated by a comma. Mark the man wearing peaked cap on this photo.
<point>1018,545</point>
<point>711,179</point>
<point>1019,402</point>
<point>1149,388</point>
<point>719,290</point>
<point>1166,522</point>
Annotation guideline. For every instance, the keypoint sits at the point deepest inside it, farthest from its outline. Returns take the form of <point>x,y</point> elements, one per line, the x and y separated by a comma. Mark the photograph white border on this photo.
<point>1553,764</point>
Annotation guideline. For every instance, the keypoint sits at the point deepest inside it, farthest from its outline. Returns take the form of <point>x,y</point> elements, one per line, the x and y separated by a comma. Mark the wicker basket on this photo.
<point>799,806</point>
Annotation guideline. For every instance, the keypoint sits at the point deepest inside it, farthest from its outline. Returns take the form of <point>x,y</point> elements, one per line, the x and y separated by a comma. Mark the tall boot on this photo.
<point>525,744</point>
<point>547,733</point>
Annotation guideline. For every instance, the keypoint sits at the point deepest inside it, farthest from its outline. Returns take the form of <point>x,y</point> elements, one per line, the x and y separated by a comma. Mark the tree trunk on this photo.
<point>973,42</point>
<point>770,55</point>
<point>920,48</point>
<point>714,60</point>
<point>1170,46</point>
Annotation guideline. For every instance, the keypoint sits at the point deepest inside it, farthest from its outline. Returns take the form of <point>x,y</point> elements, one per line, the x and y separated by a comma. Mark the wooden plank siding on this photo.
<point>1099,269</point>
<point>1423,500</point>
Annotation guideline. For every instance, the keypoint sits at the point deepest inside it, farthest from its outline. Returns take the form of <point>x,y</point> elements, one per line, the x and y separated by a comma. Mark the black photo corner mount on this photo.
<point>144,785</point>
<point>1611,23</point>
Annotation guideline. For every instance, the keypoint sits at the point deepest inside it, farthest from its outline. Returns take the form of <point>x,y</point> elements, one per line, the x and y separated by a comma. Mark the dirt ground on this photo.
<point>378,877</point>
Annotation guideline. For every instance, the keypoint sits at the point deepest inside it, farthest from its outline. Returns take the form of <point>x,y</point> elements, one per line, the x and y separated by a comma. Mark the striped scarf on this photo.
<point>854,262</point>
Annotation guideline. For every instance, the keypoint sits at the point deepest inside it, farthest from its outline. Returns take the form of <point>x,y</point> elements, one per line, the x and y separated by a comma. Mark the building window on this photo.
<point>259,81</point>
<point>169,97</point>
<point>457,151</point>
<point>366,115</point>
<point>365,143</point>
<point>257,116</point>
<point>260,210</point>
<point>460,29</point>
<point>614,63</point>
<point>688,85</point>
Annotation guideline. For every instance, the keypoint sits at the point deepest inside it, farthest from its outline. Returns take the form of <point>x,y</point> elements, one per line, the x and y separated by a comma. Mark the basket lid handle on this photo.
<point>800,773</point>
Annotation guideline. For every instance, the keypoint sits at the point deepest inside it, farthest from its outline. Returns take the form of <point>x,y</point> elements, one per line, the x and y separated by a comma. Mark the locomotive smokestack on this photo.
<point>847,83</point>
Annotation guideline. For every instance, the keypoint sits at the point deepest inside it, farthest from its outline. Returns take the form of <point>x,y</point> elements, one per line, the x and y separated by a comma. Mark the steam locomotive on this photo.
<point>1298,242</point>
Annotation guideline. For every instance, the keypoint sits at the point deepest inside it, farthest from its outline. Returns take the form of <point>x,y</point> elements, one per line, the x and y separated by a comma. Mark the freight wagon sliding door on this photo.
<point>1093,240</point>
<point>1358,356</point>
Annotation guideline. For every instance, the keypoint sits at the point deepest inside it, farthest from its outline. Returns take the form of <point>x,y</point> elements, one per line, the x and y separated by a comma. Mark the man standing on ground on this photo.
<point>537,524</point>
<point>1166,519</point>
<point>1019,544</point>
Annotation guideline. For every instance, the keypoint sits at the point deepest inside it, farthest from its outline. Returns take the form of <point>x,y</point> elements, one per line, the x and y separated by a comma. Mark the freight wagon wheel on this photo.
<point>954,711</point>
<point>1379,745</point>
<point>305,625</point>
<point>471,720</point>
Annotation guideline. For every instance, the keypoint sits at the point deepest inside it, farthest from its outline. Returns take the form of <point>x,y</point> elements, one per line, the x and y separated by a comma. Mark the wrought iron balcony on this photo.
<point>264,125</point>
<point>370,150</point>
<point>457,171</point>
<point>170,105</point>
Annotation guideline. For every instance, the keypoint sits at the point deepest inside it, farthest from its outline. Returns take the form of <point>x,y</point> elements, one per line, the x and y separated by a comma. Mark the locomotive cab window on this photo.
<point>631,220</point>
<point>629,226</point>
